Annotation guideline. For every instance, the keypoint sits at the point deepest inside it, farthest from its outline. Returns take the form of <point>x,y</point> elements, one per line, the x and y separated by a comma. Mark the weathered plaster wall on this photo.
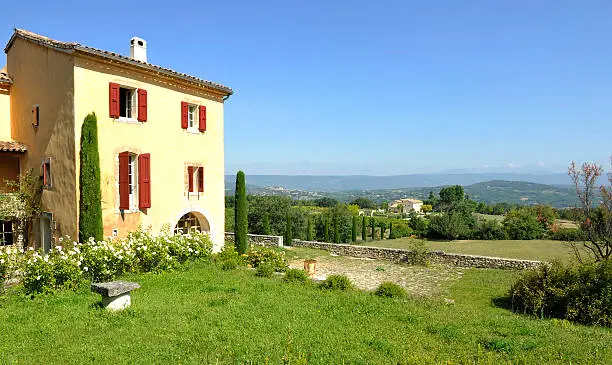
<point>9,170</point>
<point>45,77</point>
<point>171,147</point>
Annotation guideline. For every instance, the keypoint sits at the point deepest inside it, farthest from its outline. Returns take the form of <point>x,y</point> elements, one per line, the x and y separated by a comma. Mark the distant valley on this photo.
<point>557,192</point>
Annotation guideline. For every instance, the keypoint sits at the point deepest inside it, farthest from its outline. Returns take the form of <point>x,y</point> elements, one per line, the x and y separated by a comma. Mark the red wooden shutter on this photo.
<point>184,115</point>
<point>144,180</point>
<point>201,180</point>
<point>202,126</point>
<point>44,168</point>
<point>142,105</point>
<point>190,177</point>
<point>124,181</point>
<point>113,100</point>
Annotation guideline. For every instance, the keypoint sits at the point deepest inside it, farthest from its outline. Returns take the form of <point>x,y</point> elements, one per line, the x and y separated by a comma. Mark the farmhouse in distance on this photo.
<point>405,205</point>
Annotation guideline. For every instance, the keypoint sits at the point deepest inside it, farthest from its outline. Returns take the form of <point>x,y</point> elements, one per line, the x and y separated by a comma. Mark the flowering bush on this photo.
<point>9,262</point>
<point>105,260</point>
<point>229,257</point>
<point>261,255</point>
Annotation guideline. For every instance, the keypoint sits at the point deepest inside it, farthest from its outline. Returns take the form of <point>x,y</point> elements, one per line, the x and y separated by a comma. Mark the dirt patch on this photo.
<point>367,274</point>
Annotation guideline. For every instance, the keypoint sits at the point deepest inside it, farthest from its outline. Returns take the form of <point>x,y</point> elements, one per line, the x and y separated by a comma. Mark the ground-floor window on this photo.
<point>188,223</point>
<point>6,233</point>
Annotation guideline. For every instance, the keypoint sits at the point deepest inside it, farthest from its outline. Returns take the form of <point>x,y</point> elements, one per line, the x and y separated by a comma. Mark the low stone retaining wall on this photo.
<point>401,255</point>
<point>258,239</point>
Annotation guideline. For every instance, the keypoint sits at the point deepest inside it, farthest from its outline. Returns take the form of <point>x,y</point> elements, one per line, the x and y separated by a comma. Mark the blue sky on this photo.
<point>384,87</point>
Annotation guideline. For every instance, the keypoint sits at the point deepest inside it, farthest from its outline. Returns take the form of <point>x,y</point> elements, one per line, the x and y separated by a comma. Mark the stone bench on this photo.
<point>115,294</point>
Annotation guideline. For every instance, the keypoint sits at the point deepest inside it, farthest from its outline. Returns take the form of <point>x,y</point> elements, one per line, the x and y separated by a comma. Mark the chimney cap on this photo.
<point>137,41</point>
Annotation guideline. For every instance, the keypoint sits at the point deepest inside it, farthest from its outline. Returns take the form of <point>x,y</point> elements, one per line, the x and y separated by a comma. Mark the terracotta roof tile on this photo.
<point>112,55</point>
<point>12,146</point>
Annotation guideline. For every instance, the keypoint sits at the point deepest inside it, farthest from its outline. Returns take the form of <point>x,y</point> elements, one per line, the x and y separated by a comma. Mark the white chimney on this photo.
<point>138,49</point>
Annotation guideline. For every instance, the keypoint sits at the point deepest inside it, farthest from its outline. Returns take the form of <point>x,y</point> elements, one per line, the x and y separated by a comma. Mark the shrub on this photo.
<point>265,271</point>
<point>229,263</point>
<point>569,234</point>
<point>295,276</point>
<point>580,293</point>
<point>9,261</point>
<point>390,290</point>
<point>336,282</point>
<point>523,224</point>
<point>260,255</point>
<point>491,229</point>
<point>419,253</point>
<point>229,257</point>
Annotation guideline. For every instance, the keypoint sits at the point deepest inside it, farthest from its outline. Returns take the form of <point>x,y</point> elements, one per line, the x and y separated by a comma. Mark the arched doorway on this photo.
<point>190,222</point>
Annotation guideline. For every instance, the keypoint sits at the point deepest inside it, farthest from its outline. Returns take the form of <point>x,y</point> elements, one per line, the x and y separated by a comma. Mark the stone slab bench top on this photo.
<point>114,288</point>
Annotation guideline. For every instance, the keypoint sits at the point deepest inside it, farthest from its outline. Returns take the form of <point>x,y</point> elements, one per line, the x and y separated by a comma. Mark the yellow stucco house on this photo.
<point>160,135</point>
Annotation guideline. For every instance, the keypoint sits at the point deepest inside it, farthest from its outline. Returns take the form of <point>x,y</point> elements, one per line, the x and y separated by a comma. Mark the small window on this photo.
<point>195,176</point>
<point>127,102</point>
<point>193,117</point>
<point>46,173</point>
<point>35,115</point>
<point>188,223</point>
<point>6,233</point>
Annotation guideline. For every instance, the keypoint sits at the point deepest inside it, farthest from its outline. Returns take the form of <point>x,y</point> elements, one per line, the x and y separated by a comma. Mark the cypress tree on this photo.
<point>382,230</point>
<point>288,231</point>
<point>336,230</point>
<point>391,234</point>
<point>240,214</point>
<point>309,230</point>
<point>354,230</point>
<point>326,230</point>
<point>364,229</point>
<point>372,225</point>
<point>266,224</point>
<point>90,202</point>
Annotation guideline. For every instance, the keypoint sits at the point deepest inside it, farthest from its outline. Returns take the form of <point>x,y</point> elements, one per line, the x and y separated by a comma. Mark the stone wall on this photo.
<point>437,257</point>
<point>257,239</point>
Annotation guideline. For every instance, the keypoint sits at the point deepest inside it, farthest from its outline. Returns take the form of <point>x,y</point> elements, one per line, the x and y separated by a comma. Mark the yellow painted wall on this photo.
<point>44,76</point>
<point>5,114</point>
<point>171,147</point>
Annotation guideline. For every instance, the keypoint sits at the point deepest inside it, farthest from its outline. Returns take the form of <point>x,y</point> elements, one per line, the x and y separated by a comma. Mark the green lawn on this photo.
<point>205,315</point>
<point>543,250</point>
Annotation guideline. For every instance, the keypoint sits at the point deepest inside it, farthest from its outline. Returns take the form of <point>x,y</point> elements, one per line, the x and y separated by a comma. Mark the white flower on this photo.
<point>85,268</point>
<point>38,277</point>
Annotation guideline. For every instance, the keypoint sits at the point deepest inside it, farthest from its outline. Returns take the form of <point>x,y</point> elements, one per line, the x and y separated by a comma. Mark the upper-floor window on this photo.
<point>195,179</point>
<point>127,103</point>
<point>193,117</point>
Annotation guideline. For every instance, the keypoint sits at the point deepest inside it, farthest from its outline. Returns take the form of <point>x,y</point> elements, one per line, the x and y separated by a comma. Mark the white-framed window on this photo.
<point>127,102</point>
<point>192,119</point>
<point>132,180</point>
<point>6,233</point>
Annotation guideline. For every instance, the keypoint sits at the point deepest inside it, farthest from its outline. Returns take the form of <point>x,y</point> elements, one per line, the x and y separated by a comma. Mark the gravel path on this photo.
<point>367,274</point>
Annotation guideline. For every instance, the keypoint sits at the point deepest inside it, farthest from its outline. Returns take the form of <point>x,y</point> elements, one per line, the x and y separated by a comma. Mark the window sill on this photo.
<point>129,211</point>
<point>193,131</point>
<point>127,120</point>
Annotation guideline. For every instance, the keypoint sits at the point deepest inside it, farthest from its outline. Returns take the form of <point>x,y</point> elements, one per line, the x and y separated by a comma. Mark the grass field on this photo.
<point>543,250</point>
<point>205,315</point>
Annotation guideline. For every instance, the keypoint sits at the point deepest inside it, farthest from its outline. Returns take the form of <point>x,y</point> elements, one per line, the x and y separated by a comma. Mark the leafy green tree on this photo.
<point>275,207</point>
<point>452,194</point>
<point>364,203</point>
<point>266,224</point>
<point>326,230</point>
<point>90,198</point>
<point>364,229</point>
<point>241,222</point>
<point>451,225</point>
<point>326,202</point>
<point>417,224</point>
<point>288,232</point>
<point>523,224</point>
<point>354,230</point>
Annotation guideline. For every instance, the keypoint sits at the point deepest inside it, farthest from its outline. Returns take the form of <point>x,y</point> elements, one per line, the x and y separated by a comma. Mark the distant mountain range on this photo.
<point>365,182</point>
<point>556,191</point>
